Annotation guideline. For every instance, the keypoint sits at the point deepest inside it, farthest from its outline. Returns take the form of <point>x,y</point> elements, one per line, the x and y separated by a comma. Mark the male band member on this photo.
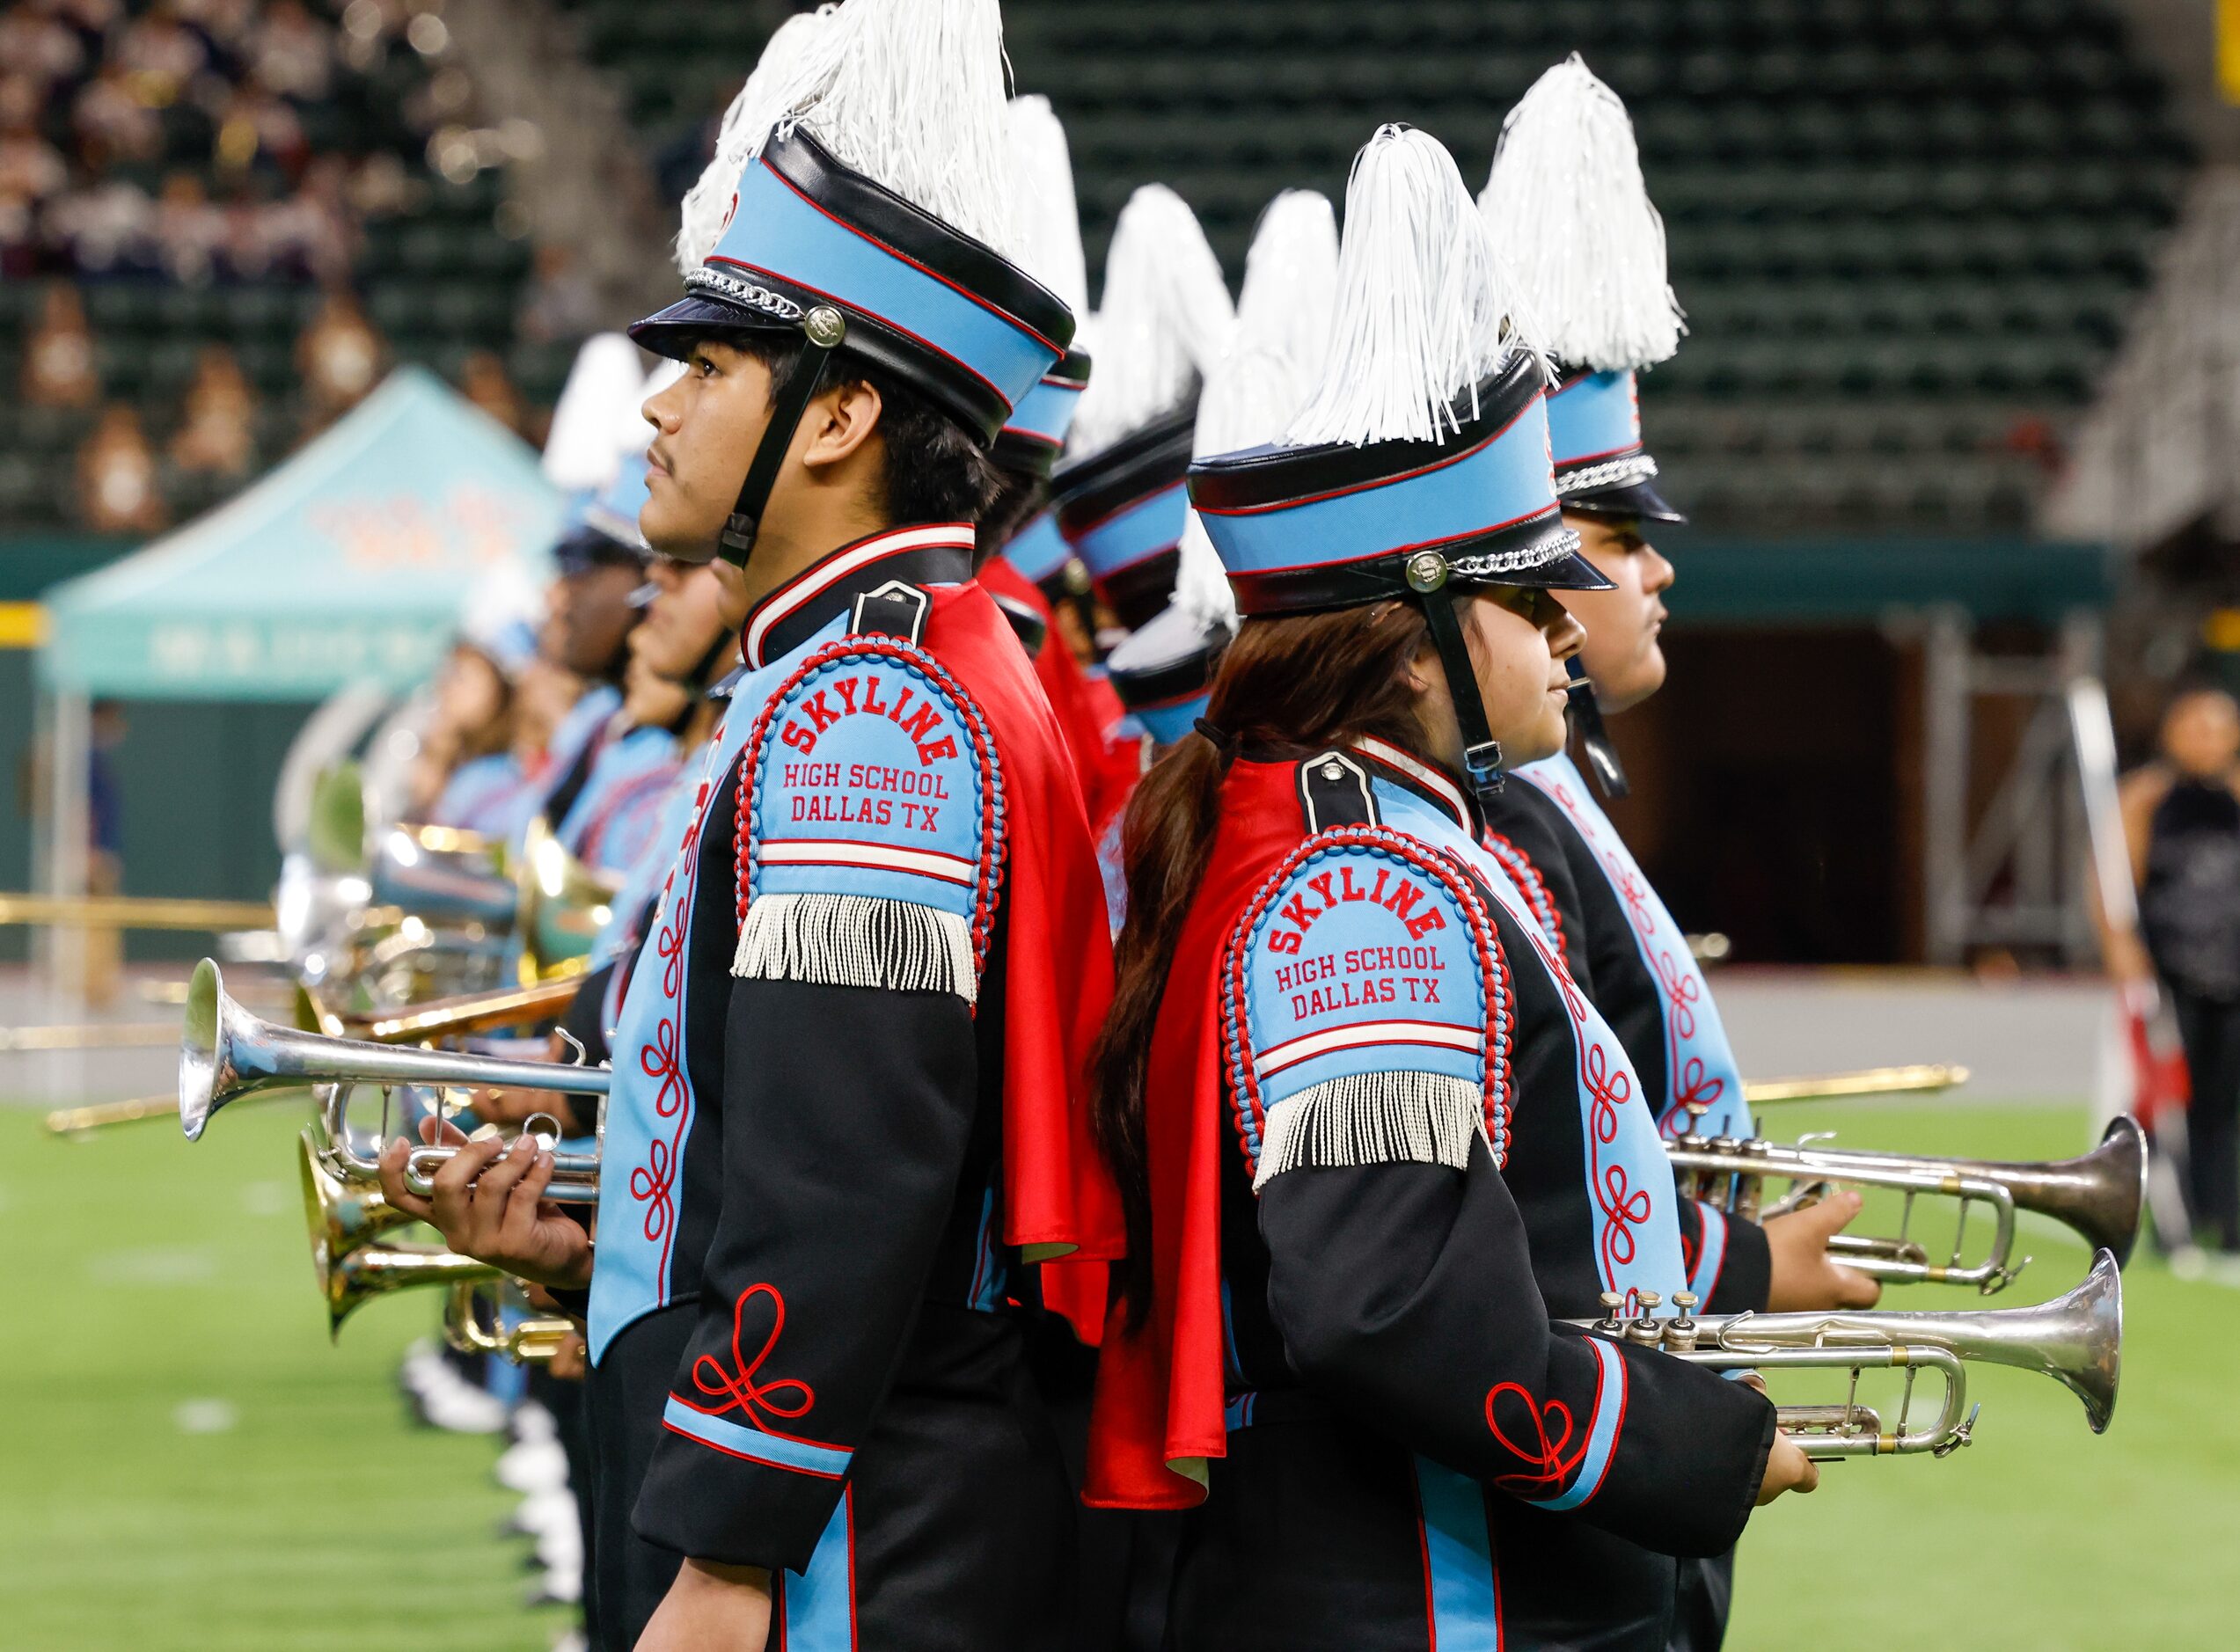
<point>1567,196</point>
<point>847,1116</point>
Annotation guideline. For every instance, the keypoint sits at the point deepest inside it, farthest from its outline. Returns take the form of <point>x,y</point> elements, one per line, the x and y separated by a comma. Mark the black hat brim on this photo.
<point>670,333</point>
<point>1639,500</point>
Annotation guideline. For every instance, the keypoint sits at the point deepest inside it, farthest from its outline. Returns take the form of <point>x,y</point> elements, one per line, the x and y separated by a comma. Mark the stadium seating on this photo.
<point>1906,232</point>
<point>434,273</point>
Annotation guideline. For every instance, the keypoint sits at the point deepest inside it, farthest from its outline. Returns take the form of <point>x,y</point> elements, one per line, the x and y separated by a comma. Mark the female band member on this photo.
<point>1336,1023</point>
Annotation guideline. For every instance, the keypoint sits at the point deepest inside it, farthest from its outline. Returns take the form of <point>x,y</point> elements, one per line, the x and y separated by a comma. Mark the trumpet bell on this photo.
<point>226,1053</point>
<point>344,1222</point>
<point>200,1059</point>
<point>2092,1354</point>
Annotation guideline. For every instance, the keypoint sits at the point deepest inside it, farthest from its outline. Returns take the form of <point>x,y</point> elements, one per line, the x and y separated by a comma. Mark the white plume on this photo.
<point>1567,194</point>
<point>1050,218</point>
<point>916,102</point>
<point>1275,357</point>
<point>1425,308</point>
<point>580,451</point>
<point>799,60</point>
<point>1164,322</point>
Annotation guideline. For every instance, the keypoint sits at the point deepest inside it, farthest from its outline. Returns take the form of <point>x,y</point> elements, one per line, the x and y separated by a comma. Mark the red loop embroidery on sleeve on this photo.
<point>1552,1457</point>
<point>738,1388</point>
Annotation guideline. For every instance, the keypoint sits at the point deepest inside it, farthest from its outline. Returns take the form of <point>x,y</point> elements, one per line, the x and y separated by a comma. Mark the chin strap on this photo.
<point>1427,572</point>
<point>1594,738</point>
<point>823,329</point>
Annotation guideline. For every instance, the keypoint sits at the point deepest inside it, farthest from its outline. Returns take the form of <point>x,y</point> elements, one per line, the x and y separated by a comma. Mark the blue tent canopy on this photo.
<point>346,565</point>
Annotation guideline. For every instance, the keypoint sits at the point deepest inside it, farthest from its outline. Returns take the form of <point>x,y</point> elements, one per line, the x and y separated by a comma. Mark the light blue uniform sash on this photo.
<point>1698,1064</point>
<point>1635,1206</point>
<point>650,1109</point>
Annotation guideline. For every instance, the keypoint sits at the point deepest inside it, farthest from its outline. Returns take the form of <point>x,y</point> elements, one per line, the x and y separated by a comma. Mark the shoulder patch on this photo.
<point>1366,1009</point>
<point>871,825</point>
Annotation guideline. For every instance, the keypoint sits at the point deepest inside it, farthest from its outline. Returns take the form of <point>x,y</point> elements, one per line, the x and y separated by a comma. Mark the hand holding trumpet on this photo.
<point>1805,1277</point>
<point>488,1202</point>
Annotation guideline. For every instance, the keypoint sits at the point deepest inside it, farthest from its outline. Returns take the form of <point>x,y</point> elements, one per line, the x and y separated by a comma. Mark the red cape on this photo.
<point>1160,1393</point>
<point>1086,706</point>
<point>1058,1198</point>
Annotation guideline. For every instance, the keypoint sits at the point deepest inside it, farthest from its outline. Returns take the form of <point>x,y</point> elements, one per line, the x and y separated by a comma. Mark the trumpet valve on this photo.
<point>1646,1329</point>
<point>1679,1333</point>
<point>1611,1323</point>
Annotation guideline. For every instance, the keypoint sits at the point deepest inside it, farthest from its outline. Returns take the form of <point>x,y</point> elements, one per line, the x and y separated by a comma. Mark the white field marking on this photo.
<point>164,1265</point>
<point>205,1416</point>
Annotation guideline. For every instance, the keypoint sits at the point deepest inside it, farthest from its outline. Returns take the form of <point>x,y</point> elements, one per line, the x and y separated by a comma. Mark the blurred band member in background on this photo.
<point>2181,816</point>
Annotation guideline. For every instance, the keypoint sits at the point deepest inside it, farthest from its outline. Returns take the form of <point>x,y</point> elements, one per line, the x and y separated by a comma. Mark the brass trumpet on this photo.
<point>2098,1194</point>
<point>445,1018</point>
<point>2076,1340</point>
<point>227,1052</point>
<point>353,1263</point>
<point>530,1342</point>
<point>1922,1079</point>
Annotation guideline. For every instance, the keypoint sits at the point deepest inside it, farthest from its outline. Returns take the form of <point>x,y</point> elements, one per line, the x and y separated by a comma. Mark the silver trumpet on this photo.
<point>226,1052</point>
<point>2076,1340</point>
<point>2099,1195</point>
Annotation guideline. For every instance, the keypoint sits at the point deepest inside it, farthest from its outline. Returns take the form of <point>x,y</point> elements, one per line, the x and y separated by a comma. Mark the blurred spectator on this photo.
<point>292,53</point>
<point>58,360</point>
<point>483,381</point>
<point>32,170</point>
<point>339,356</point>
<point>189,231</point>
<point>105,229</point>
<point>116,476</point>
<point>562,304</point>
<point>218,437</point>
<point>37,44</point>
<point>104,850</point>
<point>2182,817</point>
<point>161,56</point>
<point>225,23</point>
<point>113,122</point>
<point>258,133</point>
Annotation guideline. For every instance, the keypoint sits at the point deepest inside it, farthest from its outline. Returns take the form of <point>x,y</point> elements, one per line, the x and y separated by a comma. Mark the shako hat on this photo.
<point>869,213</point>
<point>582,455</point>
<point>1165,319</point>
<point>1164,671</point>
<point>1419,467</point>
<point>1566,201</point>
<point>1049,232</point>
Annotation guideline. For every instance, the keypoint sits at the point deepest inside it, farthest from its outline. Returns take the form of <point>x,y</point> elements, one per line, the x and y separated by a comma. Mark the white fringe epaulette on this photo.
<point>1374,1118</point>
<point>857,940</point>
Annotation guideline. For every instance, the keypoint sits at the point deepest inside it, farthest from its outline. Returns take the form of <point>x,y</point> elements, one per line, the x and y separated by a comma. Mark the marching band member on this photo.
<point>467,774</point>
<point>1020,547</point>
<point>1165,319</point>
<point>845,1122</point>
<point>1339,1042</point>
<point>1163,671</point>
<point>1590,253</point>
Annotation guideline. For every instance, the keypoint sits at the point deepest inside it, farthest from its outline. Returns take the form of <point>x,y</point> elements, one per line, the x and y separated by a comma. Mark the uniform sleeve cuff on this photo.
<point>718,1490</point>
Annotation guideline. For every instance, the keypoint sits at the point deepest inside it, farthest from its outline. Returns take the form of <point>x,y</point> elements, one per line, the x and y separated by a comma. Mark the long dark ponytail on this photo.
<point>1295,683</point>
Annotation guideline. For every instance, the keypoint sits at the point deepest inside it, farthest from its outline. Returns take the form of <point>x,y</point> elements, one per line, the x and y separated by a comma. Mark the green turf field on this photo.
<point>146,1278</point>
